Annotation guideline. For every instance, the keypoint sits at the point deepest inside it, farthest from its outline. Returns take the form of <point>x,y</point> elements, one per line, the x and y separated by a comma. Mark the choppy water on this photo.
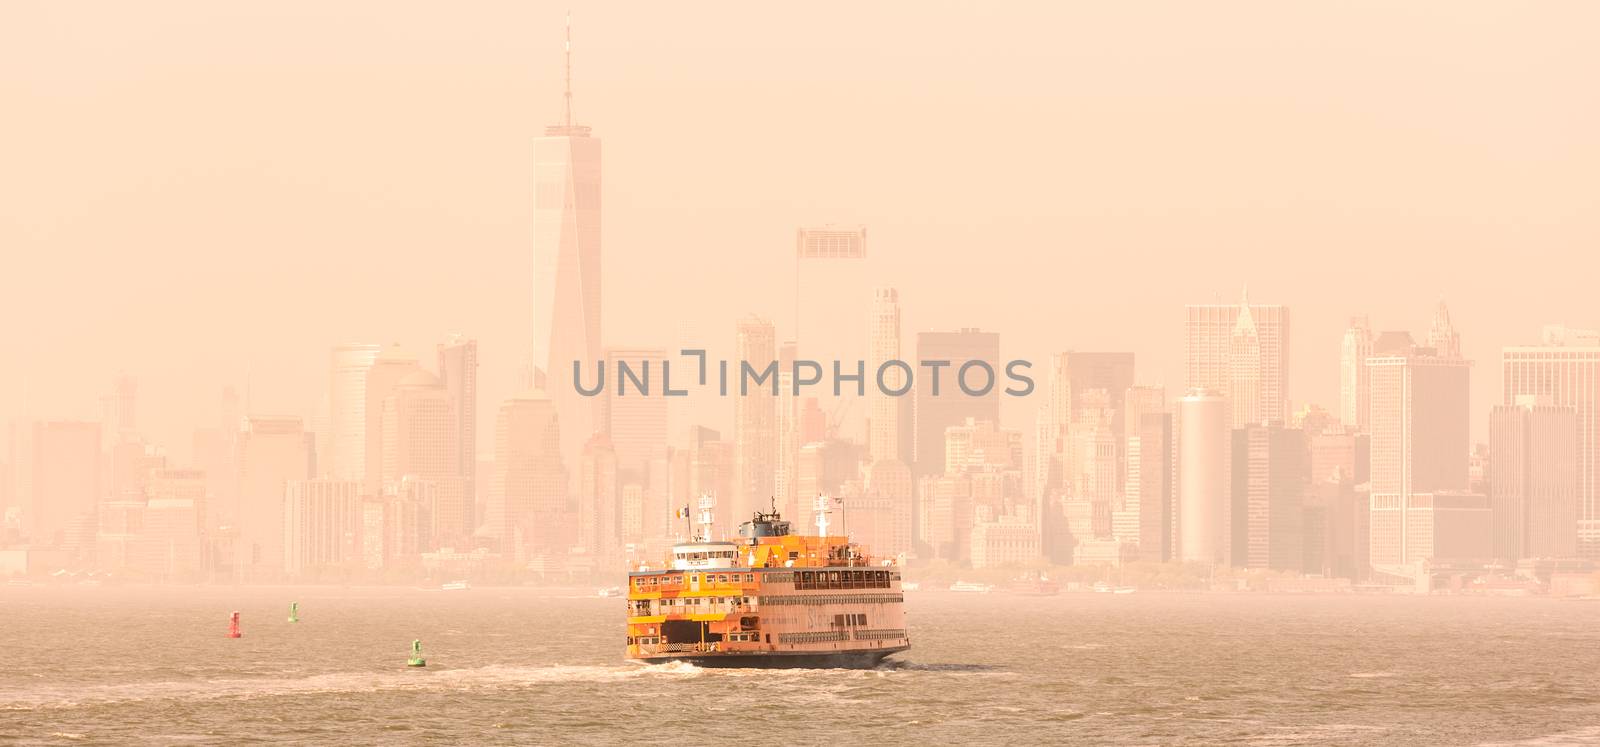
<point>86,666</point>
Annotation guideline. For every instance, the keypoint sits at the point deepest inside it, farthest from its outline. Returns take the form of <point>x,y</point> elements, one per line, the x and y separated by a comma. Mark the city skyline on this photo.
<point>963,478</point>
<point>517,85</point>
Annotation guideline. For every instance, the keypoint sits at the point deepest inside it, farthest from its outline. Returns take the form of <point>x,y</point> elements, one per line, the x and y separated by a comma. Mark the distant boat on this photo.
<point>454,586</point>
<point>1124,590</point>
<point>972,587</point>
<point>609,591</point>
<point>1102,587</point>
<point>910,586</point>
<point>1035,585</point>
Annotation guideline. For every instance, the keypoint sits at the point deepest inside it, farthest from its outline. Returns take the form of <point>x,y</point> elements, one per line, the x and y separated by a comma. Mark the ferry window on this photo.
<point>838,620</point>
<point>749,577</point>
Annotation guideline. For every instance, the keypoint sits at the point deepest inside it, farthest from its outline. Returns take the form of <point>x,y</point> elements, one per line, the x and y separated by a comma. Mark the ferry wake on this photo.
<point>770,598</point>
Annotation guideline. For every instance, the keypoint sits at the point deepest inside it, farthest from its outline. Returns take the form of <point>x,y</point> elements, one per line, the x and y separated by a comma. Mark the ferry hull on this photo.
<point>782,660</point>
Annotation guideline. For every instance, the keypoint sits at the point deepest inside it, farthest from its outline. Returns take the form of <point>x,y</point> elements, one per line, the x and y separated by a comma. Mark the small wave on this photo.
<point>889,665</point>
<point>1082,646</point>
<point>67,735</point>
<point>485,678</point>
<point>1585,735</point>
<point>1314,733</point>
<point>1372,675</point>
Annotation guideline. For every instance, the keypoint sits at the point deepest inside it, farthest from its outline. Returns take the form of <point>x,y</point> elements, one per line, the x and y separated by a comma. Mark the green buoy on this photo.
<point>294,612</point>
<point>416,659</point>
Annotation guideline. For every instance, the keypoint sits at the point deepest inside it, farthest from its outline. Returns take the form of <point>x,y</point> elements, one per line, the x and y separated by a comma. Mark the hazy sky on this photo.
<point>204,193</point>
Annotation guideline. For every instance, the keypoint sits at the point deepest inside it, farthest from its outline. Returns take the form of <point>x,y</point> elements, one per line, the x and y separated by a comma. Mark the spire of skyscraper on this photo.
<point>566,127</point>
<point>1442,337</point>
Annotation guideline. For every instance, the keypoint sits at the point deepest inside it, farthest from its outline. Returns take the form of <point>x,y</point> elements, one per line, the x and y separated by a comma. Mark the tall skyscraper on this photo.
<point>1094,458</point>
<point>934,412</point>
<point>347,402</point>
<point>1148,494</point>
<point>416,439</point>
<point>1203,445</point>
<point>458,374</point>
<point>273,451</point>
<point>1420,504</point>
<point>754,413</point>
<point>385,374</point>
<point>830,289</point>
<point>121,410</point>
<point>884,436</point>
<point>786,423</point>
<point>1442,335</point>
<point>1420,437</point>
<point>1355,387</point>
<point>1242,351</point>
<point>529,490</point>
<point>636,421</point>
<point>1270,474</point>
<point>1244,378</point>
<point>566,272</point>
<point>1565,367</point>
<point>1533,485</point>
<point>599,499</point>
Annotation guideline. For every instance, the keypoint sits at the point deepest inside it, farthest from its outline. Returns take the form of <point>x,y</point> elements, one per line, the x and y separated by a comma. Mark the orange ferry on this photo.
<point>768,599</point>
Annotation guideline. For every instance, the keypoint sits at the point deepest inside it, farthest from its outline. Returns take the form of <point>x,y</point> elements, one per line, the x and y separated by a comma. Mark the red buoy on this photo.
<point>233,626</point>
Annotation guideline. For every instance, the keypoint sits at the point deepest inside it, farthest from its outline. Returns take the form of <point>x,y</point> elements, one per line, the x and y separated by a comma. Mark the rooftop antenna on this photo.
<point>567,95</point>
